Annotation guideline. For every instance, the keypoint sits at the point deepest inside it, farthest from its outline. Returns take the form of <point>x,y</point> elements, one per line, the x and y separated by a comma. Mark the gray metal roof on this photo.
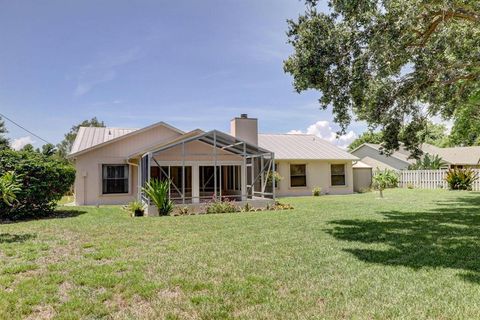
<point>88,137</point>
<point>302,147</point>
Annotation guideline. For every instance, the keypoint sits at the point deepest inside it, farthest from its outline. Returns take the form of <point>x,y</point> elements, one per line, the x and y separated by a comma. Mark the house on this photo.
<point>113,164</point>
<point>459,157</point>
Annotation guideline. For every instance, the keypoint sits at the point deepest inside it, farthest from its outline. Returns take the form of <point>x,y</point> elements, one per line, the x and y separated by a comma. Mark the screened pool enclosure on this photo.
<point>208,167</point>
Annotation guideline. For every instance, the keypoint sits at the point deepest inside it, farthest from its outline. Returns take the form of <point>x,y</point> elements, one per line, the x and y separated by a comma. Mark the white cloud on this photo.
<point>19,143</point>
<point>322,129</point>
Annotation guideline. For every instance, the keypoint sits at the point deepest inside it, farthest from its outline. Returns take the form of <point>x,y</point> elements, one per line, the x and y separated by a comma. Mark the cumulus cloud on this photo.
<point>324,130</point>
<point>19,143</point>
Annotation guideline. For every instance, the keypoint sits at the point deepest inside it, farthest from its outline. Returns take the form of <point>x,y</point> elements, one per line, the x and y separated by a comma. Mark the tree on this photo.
<point>366,137</point>
<point>466,128</point>
<point>48,149</point>
<point>4,143</point>
<point>435,134</point>
<point>28,148</point>
<point>65,146</point>
<point>9,187</point>
<point>390,63</point>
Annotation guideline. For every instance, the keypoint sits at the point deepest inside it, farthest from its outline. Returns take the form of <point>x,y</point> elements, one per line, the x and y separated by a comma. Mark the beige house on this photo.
<point>460,157</point>
<point>114,164</point>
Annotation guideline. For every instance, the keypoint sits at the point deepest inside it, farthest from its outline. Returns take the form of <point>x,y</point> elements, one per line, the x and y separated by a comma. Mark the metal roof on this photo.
<point>401,154</point>
<point>302,147</point>
<point>361,165</point>
<point>91,137</point>
<point>455,155</point>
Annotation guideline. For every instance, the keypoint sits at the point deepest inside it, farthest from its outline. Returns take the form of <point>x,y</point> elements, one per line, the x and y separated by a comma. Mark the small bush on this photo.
<point>136,208</point>
<point>317,191</point>
<point>221,207</point>
<point>410,186</point>
<point>283,206</point>
<point>157,191</point>
<point>247,207</point>
<point>461,179</point>
<point>183,211</point>
<point>383,179</point>
<point>42,181</point>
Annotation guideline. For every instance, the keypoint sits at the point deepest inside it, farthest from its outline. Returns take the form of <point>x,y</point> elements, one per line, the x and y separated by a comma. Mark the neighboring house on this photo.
<point>371,155</point>
<point>113,164</point>
<point>460,157</point>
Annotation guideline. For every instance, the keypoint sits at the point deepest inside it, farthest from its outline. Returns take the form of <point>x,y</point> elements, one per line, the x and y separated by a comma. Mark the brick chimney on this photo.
<point>245,128</point>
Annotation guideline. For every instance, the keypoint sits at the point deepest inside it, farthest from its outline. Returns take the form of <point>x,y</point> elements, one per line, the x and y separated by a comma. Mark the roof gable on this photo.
<point>91,138</point>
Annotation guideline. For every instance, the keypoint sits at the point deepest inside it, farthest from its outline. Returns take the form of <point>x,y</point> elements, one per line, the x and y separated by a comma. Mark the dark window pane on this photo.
<point>297,170</point>
<point>338,169</point>
<point>338,180</point>
<point>115,179</point>
<point>298,181</point>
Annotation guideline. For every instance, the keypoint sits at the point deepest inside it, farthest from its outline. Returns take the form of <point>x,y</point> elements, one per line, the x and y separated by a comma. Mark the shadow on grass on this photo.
<point>11,238</point>
<point>57,214</point>
<point>447,236</point>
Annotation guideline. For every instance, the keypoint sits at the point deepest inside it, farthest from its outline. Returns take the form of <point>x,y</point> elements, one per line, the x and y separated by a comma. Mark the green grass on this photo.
<point>414,254</point>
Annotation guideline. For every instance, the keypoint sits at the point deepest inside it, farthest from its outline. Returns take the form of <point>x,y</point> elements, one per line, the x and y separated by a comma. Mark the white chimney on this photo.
<point>245,128</point>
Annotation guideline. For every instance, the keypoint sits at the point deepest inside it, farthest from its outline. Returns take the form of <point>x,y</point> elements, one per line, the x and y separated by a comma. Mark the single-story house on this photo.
<point>113,164</point>
<point>459,157</point>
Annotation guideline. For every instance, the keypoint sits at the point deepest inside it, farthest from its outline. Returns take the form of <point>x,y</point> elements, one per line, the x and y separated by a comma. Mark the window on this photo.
<point>298,175</point>
<point>338,174</point>
<point>115,178</point>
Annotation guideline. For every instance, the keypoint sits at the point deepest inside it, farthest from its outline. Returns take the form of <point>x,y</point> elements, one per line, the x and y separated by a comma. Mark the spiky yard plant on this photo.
<point>157,191</point>
<point>384,179</point>
<point>9,187</point>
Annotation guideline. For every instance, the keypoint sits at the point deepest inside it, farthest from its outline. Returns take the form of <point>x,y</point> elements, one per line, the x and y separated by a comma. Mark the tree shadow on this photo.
<point>447,236</point>
<point>57,214</point>
<point>11,238</point>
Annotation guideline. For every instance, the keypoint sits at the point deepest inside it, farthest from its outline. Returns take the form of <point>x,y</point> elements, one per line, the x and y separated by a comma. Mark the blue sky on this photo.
<point>193,64</point>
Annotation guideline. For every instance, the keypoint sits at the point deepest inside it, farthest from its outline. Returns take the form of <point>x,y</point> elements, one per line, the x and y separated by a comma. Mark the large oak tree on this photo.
<point>392,63</point>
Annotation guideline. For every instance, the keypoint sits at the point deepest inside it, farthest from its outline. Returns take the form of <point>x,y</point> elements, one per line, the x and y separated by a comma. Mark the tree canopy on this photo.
<point>4,143</point>
<point>390,63</point>
<point>66,144</point>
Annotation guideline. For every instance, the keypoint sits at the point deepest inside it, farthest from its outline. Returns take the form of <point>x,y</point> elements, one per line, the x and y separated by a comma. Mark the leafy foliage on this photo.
<point>383,179</point>
<point>219,206</point>
<point>466,127</point>
<point>391,63</point>
<point>135,208</point>
<point>9,187</point>
<point>366,137</point>
<point>157,191</point>
<point>43,181</point>
<point>316,191</point>
<point>4,143</point>
<point>428,162</point>
<point>461,179</point>
<point>65,146</point>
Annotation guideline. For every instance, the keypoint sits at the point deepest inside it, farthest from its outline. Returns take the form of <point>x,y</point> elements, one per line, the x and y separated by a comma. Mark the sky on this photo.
<point>193,64</point>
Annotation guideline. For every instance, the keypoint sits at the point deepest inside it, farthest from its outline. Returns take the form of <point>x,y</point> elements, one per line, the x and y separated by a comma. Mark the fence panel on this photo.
<point>429,179</point>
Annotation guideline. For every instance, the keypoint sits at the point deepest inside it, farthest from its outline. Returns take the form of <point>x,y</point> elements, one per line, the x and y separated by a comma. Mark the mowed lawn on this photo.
<point>414,254</point>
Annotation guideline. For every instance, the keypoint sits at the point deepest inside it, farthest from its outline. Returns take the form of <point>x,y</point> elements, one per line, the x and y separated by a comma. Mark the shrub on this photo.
<point>136,208</point>
<point>461,179</point>
<point>317,191</point>
<point>410,186</point>
<point>221,207</point>
<point>428,162</point>
<point>273,175</point>
<point>157,191</point>
<point>9,187</point>
<point>383,179</point>
<point>42,181</point>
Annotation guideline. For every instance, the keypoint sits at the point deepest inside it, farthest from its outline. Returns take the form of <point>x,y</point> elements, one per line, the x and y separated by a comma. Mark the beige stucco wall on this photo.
<point>245,129</point>
<point>318,174</point>
<point>362,179</point>
<point>88,182</point>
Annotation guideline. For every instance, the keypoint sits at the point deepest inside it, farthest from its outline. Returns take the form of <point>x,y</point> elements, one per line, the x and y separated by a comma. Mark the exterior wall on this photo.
<point>88,181</point>
<point>318,175</point>
<point>362,179</point>
<point>390,162</point>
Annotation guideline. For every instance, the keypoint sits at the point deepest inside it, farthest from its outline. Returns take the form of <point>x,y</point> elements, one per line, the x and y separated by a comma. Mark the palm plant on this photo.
<point>157,191</point>
<point>9,187</point>
<point>384,179</point>
<point>429,162</point>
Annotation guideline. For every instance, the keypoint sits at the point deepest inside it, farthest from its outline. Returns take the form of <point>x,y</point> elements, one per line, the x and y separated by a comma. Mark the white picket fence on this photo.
<point>429,179</point>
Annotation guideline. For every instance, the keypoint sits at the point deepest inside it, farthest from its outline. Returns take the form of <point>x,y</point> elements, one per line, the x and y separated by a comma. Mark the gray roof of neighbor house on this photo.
<point>302,147</point>
<point>455,155</point>
<point>400,154</point>
<point>90,137</point>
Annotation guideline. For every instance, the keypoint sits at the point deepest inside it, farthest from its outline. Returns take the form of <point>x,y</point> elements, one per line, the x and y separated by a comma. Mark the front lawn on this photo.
<point>414,254</point>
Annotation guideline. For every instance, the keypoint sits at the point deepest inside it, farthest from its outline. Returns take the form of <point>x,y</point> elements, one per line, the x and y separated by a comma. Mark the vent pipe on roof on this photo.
<point>245,128</point>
